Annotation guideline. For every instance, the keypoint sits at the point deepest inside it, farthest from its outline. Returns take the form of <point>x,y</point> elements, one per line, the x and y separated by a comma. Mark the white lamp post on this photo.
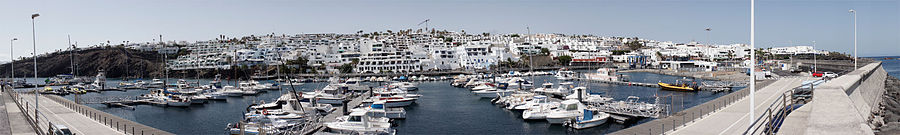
<point>855,56</point>
<point>12,63</point>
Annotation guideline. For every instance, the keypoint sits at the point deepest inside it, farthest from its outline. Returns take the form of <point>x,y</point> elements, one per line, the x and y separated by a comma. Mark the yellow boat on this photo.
<point>676,87</point>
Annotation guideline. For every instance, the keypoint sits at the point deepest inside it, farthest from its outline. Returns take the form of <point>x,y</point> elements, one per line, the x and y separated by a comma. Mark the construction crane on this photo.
<point>424,22</point>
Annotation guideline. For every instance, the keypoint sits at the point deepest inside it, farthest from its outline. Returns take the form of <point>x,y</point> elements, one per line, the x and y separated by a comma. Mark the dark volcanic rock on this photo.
<point>117,61</point>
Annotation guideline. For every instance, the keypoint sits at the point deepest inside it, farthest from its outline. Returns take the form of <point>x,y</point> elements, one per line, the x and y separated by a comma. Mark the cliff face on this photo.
<point>117,62</point>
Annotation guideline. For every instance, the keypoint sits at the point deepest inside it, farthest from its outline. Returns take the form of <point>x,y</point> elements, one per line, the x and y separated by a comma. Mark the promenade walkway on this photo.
<point>735,118</point>
<point>12,121</point>
<point>62,115</point>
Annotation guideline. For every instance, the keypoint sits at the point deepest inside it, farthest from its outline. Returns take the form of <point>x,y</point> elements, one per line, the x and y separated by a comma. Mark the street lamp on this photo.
<point>855,56</point>
<point>12,60</point>
<point>34,44</point>
<point>815,53</point>
<point>34,57</point>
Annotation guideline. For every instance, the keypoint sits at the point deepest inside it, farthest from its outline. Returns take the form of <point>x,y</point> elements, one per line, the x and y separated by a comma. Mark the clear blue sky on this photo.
<point>91,22</point>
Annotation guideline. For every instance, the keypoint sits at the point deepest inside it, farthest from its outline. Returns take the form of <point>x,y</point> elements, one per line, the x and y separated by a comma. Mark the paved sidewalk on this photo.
<point>77,123</point>
<point>13,120</point>
<point>735,119</point>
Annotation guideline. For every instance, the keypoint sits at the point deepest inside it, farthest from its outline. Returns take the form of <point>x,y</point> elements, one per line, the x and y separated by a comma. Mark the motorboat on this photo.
<point>395,100</point>
<point>378,109</point>
<point>567,110</point>
<point>231,91</point>
<point>324,98</point>
<point>563,89</point>
<point>587,97</point>
<point>178,101</point>
<point>536,102</point>
<point>156,83</point>
<point>492,93</point>
<point>406,86</point>
<point>679,86</point>
<point>604,74</point>
<point>248,88</point>
<point>484,86</point>
<point>544,87</point>
<point>588,120</point>
<point>565,75</point>
<point>294,82</point>
<point>360,123</point>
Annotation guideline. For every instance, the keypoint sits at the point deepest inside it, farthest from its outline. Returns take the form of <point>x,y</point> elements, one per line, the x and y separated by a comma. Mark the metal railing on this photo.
<point>38,121</point>
<point>119,124</point>
<point>771,120</point>
<point>678,120</point>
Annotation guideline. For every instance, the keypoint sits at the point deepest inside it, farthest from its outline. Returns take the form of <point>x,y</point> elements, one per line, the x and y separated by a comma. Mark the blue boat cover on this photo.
<point>377,106</point>
<point>588,115</point>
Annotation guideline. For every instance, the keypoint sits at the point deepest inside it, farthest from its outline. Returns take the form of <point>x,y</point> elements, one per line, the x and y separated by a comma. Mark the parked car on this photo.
<point>61,130</point>
<point>818,74</point>
<point>830,75</point>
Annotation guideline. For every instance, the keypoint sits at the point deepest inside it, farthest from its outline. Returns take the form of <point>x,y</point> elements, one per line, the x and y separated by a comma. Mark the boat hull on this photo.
<point>178,104</point>
<point>588,124</point>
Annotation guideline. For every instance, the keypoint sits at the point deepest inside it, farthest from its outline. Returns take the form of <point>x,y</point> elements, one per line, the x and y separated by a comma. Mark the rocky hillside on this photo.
<point>117,61</point>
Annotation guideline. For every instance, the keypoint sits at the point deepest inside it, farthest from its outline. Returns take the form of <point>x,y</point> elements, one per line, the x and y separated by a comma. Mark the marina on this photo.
<point>127,104</point>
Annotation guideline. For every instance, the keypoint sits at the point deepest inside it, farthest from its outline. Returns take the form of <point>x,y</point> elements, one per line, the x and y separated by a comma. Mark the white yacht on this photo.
<point>567,110</point>
<point>360,123</point>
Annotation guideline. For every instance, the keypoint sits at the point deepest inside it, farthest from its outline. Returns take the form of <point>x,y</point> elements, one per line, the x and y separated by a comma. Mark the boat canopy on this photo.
<point>378,106</point>
<point>588,115</point>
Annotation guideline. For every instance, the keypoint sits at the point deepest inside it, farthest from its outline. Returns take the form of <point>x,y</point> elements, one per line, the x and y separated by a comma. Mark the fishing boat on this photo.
<point>588,120</point>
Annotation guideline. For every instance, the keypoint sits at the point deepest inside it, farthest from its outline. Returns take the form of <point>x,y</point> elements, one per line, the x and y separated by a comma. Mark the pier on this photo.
<point>318,124</point>
<point>653,85</point>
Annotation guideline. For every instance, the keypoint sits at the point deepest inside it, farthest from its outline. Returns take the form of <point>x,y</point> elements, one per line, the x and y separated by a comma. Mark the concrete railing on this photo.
<point>842,105</point>
<point>124,125</point>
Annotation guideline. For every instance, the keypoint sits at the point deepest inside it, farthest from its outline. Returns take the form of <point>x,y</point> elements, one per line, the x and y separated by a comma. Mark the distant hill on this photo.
<point>117,61</point>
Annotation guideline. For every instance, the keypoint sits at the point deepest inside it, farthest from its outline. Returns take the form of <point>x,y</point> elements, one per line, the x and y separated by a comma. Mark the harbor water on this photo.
<point>443,109</point>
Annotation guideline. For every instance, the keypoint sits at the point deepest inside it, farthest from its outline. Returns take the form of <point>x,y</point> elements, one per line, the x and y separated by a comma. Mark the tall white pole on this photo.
<point>12,60</point>
<point>855,56</point>
<point>815,53</point>
<point>34,55</point>
<point>34,48</point>
<point>752,60</point>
